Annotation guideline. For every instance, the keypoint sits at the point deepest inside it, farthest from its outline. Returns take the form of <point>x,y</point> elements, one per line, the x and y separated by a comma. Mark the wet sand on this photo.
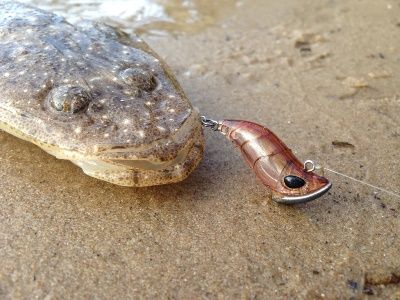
<point>324,75</point>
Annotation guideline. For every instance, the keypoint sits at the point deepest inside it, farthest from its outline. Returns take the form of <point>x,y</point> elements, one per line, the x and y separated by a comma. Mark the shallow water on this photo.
<point>149,16</point>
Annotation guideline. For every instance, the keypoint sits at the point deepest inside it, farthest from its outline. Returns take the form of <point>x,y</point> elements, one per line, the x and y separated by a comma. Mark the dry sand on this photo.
<point>325,76</point>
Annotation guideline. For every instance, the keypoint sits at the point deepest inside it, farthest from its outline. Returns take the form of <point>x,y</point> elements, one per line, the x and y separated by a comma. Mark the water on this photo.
<point>145,16</point>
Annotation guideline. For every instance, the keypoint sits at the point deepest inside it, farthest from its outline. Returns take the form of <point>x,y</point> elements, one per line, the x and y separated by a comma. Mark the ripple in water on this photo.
<point>155,17</point>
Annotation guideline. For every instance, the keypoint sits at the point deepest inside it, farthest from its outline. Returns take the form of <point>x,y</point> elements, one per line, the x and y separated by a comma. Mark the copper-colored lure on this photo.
<point>272,161</point>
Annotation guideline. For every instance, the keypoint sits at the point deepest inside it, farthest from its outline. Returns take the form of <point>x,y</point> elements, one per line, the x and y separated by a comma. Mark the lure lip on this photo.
<point>305,198</point>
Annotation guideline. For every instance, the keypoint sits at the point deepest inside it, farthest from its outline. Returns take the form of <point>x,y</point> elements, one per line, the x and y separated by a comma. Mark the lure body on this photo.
<point>273,162</point>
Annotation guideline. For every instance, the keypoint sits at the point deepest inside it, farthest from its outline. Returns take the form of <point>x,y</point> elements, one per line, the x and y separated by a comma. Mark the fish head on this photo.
<point>95,95</point>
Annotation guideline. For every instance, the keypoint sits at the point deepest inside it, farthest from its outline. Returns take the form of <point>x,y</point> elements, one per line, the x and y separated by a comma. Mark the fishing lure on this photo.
<point>272,161</point>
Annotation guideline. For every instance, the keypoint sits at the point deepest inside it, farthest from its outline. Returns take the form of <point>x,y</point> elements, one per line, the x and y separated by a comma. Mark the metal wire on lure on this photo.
<point>310,165</point>
<point>362,182</point>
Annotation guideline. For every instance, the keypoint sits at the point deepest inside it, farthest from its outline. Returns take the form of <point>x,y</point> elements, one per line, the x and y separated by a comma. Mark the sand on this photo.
<point>324,75</point>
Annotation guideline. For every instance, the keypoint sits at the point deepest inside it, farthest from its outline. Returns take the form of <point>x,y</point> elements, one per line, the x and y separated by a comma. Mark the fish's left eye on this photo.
<point>69,99</point>
<point>294,182</point>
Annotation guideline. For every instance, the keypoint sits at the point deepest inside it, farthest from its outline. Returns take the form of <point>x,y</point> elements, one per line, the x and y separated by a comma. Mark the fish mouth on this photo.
<point>90,166</point>
<point>305,198</point>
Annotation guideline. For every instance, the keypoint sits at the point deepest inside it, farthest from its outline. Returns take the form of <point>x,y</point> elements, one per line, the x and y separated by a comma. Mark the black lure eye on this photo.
<point>294,182</point>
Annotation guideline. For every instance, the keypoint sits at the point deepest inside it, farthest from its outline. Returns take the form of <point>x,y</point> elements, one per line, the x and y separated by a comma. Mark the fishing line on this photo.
<point>363,182</point>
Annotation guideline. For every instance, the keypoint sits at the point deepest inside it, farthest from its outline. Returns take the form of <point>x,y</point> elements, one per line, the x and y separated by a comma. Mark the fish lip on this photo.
<point>305,198</point>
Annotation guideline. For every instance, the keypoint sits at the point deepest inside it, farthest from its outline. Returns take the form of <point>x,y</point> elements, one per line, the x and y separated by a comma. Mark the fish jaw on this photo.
<point>142,173</point>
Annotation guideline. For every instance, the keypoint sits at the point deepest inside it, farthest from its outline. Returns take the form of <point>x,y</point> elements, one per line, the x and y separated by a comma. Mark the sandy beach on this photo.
<point>323,75</point>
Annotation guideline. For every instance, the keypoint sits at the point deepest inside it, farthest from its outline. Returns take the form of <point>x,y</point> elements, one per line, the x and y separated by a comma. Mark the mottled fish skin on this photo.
<point>89,92</point>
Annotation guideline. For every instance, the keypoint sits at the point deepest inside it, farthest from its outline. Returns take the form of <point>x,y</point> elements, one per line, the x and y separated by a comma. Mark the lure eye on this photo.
<point>69,99</point>
<point>294,182</point>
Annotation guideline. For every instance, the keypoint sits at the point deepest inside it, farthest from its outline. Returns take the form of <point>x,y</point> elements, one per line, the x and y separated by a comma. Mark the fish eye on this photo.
<point>294,182</point>
<point>142,79</point>
<point>69,99</point>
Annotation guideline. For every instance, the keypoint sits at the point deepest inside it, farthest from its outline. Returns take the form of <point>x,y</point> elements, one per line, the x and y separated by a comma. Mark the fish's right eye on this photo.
<point>142,79</point>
